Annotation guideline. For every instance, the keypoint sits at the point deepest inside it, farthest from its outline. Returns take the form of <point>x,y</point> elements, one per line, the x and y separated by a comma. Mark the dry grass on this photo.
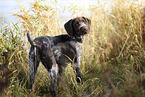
<point>113,53</point>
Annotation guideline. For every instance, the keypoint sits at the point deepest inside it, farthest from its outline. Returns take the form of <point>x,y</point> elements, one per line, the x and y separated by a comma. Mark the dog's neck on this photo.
<point>78,39</point>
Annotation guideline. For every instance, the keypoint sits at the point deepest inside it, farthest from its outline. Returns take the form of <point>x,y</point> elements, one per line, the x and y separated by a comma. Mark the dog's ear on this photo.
<point>69,28</point>
<point>88,21</point>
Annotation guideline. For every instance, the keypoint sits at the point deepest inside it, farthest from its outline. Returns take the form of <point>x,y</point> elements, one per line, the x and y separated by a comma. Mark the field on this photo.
<point>113,57</point>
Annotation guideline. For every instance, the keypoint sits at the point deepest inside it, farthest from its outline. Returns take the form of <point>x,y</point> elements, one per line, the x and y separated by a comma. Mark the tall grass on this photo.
<point>113,52</point>
<point>13,42</point>
<point>40,18</point>
<point>121,53</point>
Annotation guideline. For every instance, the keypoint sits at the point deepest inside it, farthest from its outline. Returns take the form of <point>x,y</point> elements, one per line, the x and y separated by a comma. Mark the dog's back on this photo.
<point>64,48</point>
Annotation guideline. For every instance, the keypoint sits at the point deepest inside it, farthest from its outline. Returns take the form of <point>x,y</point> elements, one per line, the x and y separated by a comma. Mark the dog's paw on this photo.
<point>79,80</point>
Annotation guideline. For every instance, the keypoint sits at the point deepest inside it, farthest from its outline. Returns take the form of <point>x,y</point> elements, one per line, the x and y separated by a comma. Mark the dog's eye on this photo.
<point>83,21</point>
<point>77,23</point>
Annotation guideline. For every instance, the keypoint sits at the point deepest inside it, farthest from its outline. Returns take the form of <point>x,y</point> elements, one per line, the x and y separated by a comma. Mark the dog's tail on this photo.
<point>32,41</point>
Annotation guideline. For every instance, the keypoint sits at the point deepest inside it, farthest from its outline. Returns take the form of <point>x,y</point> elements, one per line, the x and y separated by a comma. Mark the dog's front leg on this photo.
<point>78,74</point>
<point>53,72</point>
<point>78,70</point>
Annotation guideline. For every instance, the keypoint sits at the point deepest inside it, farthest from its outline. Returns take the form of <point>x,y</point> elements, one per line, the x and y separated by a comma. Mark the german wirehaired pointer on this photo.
<point>56,52</point>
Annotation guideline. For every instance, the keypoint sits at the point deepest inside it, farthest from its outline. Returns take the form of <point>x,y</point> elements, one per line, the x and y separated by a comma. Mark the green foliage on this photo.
<point>113,52</point>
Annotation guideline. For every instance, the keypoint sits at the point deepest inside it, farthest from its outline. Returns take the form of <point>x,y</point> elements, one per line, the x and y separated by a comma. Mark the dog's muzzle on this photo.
<point>84,30</point>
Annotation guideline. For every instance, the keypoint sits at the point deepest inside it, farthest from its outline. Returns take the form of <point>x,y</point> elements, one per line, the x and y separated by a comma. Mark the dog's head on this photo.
<point>78,27</point>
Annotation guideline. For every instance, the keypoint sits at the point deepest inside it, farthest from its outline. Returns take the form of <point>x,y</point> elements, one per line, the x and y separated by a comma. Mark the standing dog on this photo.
<point>56,52</point>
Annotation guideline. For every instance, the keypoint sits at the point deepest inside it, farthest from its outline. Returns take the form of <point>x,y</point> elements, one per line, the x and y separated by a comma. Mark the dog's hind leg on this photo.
<point>34,63</point>
<point>53,76</point>
<point>48,60</point>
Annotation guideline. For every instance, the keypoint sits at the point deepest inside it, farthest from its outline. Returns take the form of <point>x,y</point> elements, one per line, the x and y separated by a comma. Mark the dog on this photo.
<point>56,52</point>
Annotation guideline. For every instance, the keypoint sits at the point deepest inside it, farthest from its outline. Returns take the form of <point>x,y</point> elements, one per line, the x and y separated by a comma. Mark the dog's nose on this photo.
<point>84,29</point>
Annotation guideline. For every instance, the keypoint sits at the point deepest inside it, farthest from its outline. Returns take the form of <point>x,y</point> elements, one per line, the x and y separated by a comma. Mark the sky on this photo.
<point>9,7</point>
